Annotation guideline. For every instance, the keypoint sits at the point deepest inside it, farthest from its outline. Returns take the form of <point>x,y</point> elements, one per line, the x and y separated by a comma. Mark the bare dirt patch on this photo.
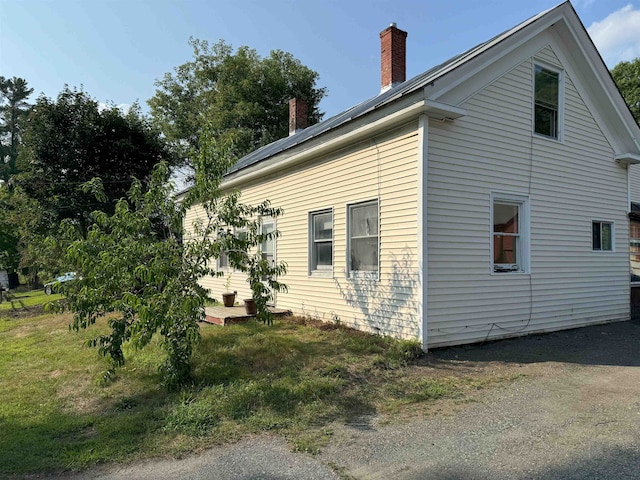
<point>23,312</point>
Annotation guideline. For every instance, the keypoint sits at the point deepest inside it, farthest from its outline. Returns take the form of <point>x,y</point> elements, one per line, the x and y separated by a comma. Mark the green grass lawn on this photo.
<point>57,413</point>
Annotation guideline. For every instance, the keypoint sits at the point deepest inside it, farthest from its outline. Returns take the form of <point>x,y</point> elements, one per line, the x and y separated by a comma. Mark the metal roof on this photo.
<point>389,96</point>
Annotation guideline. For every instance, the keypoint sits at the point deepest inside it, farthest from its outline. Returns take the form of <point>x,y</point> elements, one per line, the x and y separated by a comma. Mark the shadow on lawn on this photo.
<point>608,344</point>
<point>59,442</point>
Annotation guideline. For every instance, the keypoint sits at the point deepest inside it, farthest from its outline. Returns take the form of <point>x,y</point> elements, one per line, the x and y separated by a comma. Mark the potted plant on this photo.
<point>250,306</point>
<point>228,298</point>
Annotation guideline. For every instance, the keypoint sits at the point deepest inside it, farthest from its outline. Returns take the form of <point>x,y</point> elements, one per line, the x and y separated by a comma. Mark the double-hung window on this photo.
<point>321,241</point>
<point>509,233</point>
<point>223,259</point>
<point>602,233</point>
<point>634,250</point>
<point>268,247</point>
<point>363,230</point>
<point>547,102</point>
<point>233,237</point>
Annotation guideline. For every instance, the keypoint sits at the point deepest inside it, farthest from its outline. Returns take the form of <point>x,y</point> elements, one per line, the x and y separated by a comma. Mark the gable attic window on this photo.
<point>547,102</point>
<point>509,233</point>
<point>363,237</point>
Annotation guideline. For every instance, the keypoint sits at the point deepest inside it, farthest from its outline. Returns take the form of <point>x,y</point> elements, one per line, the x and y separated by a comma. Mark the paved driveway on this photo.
<point>574,414</point>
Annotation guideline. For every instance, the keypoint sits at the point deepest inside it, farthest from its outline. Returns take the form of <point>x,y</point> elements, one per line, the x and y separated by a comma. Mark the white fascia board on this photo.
<point>349,136</point>
<point>468,68</point>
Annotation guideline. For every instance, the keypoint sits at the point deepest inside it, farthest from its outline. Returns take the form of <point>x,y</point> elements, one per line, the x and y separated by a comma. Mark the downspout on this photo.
<point>423,264</point>
<point>628,190</point>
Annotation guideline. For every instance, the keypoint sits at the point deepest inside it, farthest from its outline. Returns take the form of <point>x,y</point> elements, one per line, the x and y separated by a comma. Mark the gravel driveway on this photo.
<point>573,414</point>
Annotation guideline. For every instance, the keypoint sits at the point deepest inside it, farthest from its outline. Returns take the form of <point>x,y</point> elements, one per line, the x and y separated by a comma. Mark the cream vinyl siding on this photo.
<point>569,184</point>
<point>383,168</point>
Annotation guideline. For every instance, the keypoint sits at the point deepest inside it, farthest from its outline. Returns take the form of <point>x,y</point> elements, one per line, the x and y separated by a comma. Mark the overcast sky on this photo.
<point>116,49</point>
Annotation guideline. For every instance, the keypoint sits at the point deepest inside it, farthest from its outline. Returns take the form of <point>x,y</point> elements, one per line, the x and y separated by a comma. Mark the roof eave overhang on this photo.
<point>626,159</point>
<point>348,134</point>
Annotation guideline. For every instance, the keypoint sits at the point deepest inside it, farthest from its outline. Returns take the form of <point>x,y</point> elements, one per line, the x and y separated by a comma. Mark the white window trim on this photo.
<point>613,235</point>
<point>524,227</point>
<point>275,252</point>
<point>274,239</point>
<point>636,282</point>
<point>228,269</point>
<point>561,89</point>
<point>357,274</point>
<point>238,231</point>
<point>322,271</point>
<point>222,268</point>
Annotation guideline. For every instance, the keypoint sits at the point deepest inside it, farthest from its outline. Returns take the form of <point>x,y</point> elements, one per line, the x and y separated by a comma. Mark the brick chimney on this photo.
<point>297,115</point>
<point>393,56</point>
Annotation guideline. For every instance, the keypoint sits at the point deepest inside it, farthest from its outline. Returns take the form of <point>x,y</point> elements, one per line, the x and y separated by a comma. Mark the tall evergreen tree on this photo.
<point>13,110</point>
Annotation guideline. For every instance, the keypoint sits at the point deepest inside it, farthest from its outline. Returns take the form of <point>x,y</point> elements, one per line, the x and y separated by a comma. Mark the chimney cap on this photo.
<point>393,24</point>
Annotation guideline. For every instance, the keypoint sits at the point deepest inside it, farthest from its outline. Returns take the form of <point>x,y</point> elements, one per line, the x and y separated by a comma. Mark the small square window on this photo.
<point>602,233</point>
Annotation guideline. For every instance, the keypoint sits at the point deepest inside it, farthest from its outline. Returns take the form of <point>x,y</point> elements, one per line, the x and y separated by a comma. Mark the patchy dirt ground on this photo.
<point>20,311</point>
<point>572,412</point>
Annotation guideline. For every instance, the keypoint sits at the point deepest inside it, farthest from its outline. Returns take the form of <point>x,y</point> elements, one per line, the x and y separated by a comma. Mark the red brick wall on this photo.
<point>393,56</point>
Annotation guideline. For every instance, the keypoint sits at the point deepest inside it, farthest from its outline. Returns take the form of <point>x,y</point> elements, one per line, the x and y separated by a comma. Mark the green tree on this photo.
<point>13,110</point>
<point>9,256</point>
<point>71,140</point>
<point>24,230</point>
<point>627,77</point>
<point>242,97</point>
<point>146,278</point>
